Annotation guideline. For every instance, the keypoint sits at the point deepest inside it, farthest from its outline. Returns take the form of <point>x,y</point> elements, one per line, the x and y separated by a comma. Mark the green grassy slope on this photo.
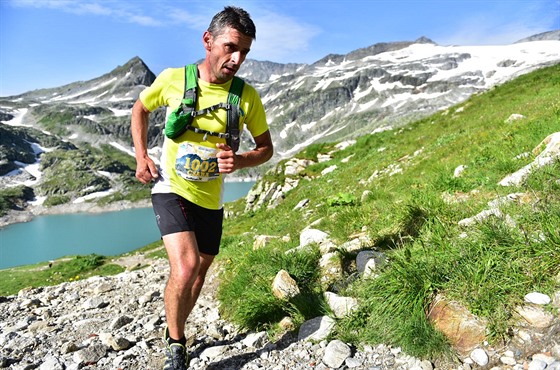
<point>399,188</point>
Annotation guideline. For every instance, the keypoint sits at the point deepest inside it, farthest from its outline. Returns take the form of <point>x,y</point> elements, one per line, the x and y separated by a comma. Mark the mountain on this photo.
<point>387,85</point>
<point>550,35</point>
<point>82,129</point>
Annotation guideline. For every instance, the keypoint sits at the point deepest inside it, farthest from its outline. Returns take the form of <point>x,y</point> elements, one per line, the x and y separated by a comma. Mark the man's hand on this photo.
<point>229,162</point>
<point>146,170</point>
<point>227,159</point>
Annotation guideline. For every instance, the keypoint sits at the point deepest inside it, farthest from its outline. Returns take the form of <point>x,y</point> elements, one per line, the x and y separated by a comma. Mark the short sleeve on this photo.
<point>256,117</point>
<point>156,95</point>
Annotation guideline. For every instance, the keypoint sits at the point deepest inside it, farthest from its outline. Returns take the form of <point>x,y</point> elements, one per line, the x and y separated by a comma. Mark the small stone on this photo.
<point>102,288</point>
<point>316,329</point>
<point>426,365</point>
<point>119,322</point>
<point>535,316</point>
<point>341,306</point>
<point>336,353</point>
<point>284,286</point>
<point>309,236</point>
<point>506,360</point>
<point>51,363</point>
<point>543,357</point>
<point>537,298</point>
<point>213,352</point>
<point>90,355</point>
<point>255,340</point>
<point>94,302</point>
<point>479,356</point>
<point>352,362</point>
<point>537,365</point>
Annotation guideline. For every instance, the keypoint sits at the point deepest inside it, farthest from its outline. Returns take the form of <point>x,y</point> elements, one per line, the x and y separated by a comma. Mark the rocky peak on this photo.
<point>134,72</point>
<point>550,35</point>
<point>257,71</point>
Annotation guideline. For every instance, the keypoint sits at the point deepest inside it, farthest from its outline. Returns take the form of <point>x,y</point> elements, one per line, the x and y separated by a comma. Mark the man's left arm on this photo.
<point>229,162</point>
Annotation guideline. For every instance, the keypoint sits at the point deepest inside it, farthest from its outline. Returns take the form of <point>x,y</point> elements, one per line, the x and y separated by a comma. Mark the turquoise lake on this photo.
<point>53,236</point>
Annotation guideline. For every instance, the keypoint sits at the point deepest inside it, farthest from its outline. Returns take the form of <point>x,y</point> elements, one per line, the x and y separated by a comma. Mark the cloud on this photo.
<point>174,15</point>
<point>68,6</point>
<point>120,10</point>
<point>279,37</point>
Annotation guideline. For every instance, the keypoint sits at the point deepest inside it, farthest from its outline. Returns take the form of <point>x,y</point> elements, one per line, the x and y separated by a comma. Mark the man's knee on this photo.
<point>184,274</point>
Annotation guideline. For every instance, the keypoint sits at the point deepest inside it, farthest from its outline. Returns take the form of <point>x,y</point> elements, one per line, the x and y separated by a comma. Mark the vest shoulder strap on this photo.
<point>235,90</point>
<point>232,128</point>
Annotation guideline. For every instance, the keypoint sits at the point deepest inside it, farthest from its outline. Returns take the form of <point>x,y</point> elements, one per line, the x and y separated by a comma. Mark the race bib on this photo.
<point>196,162</point>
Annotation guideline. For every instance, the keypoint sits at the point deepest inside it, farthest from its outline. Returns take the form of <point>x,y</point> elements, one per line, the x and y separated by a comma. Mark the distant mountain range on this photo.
<point>385,85</point>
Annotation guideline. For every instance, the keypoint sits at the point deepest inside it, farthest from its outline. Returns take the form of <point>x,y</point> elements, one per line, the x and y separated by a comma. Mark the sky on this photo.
<point>51,43</point>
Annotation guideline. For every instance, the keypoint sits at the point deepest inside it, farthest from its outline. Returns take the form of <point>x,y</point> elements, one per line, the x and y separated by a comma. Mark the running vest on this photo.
<point>181,118</point>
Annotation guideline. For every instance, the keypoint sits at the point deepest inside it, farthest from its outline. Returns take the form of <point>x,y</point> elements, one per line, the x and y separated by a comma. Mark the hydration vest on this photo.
<point>181,118</point>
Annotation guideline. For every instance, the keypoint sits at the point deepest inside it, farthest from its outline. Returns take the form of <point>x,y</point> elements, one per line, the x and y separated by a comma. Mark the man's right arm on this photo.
<point>146,169</point>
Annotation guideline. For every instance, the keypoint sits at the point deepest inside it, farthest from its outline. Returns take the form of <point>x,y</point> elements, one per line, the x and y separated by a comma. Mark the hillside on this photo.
<point>461,207</point>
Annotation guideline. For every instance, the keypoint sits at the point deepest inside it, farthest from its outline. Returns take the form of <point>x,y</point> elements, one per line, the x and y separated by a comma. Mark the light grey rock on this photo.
<point>90,355</point>
<point>537,365</point>
<point>316,329</point>
<point>363,260</point>
<point>256,340</point>
<point>480,357</point>
<point>341,306</point>
<point>213,352</point>
<point>284,286</point>
<point>537,298</point>
<point>51,363</point>
<point>336,353</point>
<point>309,236</point>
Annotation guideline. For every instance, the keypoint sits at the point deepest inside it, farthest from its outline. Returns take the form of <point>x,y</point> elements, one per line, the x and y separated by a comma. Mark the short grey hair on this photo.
<point>235,18</point>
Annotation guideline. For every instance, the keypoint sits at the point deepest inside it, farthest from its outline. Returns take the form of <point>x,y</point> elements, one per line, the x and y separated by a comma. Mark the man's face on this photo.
<point>226,52</point>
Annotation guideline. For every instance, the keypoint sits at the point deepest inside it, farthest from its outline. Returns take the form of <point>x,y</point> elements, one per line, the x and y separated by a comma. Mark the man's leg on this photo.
<point>184,263</point>
<point>205,262</point>
<point>188,270</point>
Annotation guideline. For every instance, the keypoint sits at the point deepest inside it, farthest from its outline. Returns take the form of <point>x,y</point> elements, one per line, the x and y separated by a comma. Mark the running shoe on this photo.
<point>176,357</point>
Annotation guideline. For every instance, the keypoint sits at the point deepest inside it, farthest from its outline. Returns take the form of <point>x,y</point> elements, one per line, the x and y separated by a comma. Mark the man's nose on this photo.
<point>236,57</point>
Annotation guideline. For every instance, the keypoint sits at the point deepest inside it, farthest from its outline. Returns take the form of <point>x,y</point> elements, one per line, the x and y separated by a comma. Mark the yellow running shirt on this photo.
<point>188,162</point>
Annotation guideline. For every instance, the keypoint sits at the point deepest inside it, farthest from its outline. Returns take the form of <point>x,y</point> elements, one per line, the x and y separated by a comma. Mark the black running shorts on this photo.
<point>176,214</point>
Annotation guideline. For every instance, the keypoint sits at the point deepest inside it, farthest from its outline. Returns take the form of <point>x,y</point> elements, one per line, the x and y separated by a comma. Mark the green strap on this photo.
<point>189,95</point>
<point>235,90</point>
<point>191,76</point>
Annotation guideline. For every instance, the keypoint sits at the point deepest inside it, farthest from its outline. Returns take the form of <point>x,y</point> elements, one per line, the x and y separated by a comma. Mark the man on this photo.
<point>189,210</point>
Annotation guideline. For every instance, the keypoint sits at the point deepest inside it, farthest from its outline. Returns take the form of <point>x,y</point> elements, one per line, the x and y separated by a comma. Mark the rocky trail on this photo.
<point>117,322</point>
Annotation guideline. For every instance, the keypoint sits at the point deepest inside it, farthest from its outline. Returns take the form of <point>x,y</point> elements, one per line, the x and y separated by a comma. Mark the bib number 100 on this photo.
<point>197,165</point>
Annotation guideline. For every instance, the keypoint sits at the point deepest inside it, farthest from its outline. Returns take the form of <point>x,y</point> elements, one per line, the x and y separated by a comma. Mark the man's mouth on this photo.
<point>231,69</point>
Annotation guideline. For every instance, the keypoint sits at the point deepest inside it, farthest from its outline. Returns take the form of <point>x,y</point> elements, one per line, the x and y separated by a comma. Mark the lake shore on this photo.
<point>26,215</point>
<point>14,217</point>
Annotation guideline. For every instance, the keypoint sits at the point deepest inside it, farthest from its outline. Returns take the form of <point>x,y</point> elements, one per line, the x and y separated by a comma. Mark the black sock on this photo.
<point>170,340</point>
<point>181,341</point>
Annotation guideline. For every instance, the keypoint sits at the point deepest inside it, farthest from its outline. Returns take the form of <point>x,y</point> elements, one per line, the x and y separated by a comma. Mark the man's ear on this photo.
<point>207,40</point>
